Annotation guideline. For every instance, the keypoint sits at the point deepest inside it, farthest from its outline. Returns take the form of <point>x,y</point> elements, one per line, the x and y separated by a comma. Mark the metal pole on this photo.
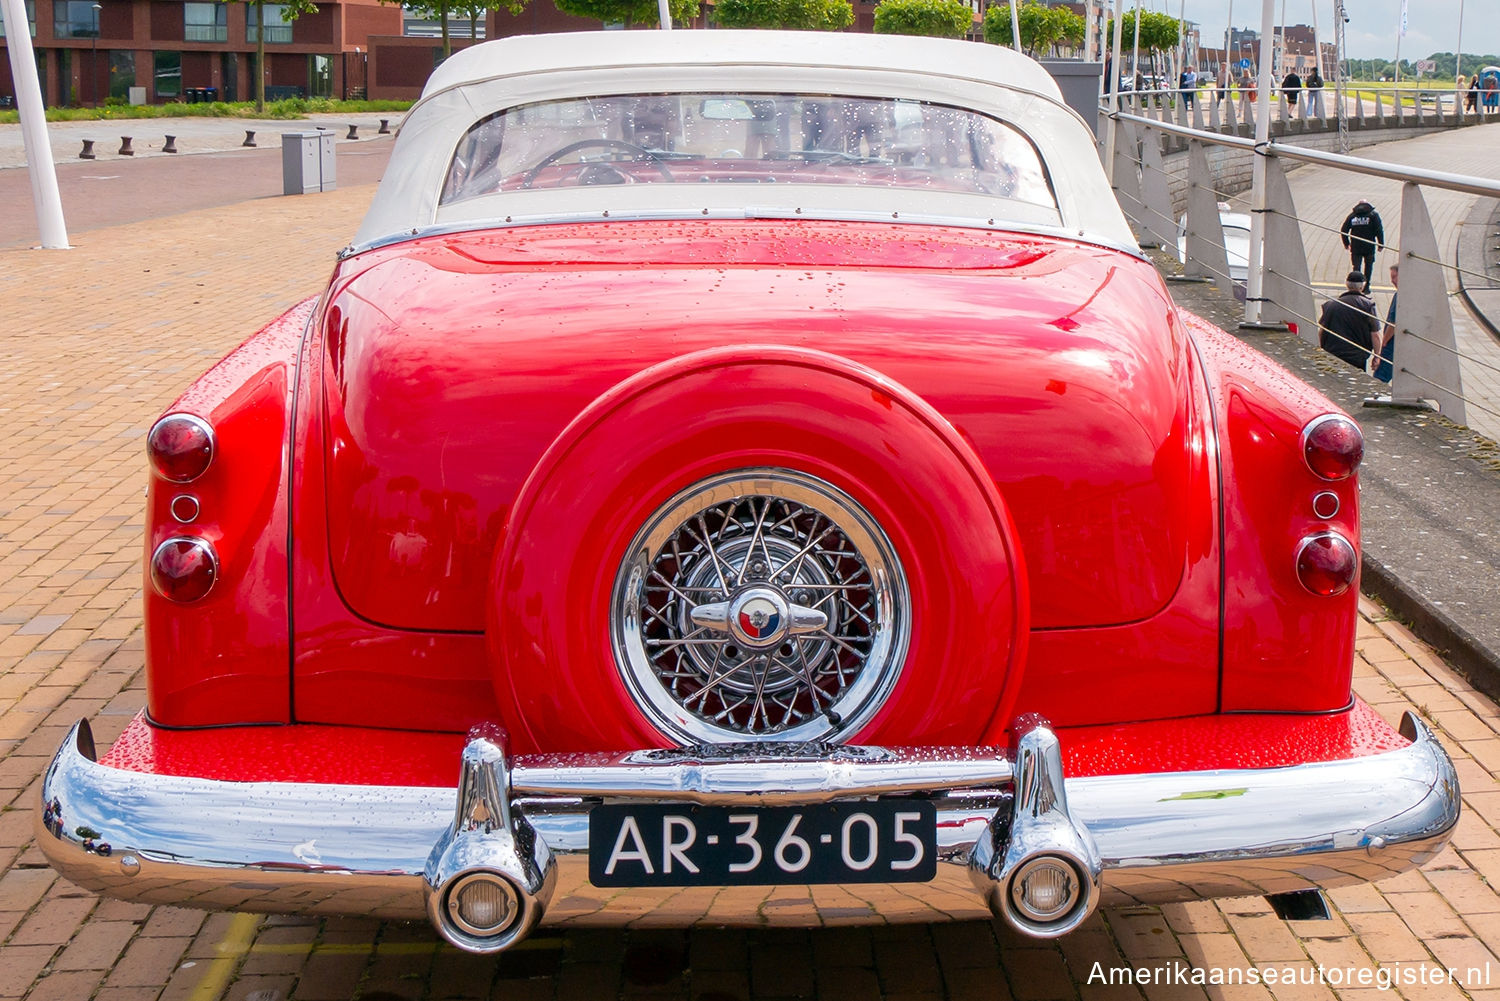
<point>665,13</point>
<point>1228,33</point>
<point>49,214</point>
<point>94,59</point>
<point>1340,27</point>
<point>1317,63</point>
<point>1458,63</point>
<point>1258,168</point>
<point>1015,26</point>
<point>1135,49</point>
<point>1113,86</point>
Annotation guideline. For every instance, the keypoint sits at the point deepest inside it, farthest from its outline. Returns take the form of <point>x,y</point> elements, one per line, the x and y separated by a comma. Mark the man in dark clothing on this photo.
<point>1348,324</point>
<point>1291,88</point>
<point>1363,234</point>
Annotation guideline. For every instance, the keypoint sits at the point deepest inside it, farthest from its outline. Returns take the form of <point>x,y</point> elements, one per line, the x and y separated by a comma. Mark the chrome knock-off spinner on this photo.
<point>760,604</point>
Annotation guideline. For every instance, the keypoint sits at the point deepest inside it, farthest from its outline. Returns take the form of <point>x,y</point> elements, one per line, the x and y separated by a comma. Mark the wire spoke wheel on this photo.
<point>763,604</point>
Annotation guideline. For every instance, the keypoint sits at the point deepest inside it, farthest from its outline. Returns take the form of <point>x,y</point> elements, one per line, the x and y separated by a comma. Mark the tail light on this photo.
<point>1332,446</point>
<point>1327,564</point>
<point>180,447</point>
<point>184,569</point>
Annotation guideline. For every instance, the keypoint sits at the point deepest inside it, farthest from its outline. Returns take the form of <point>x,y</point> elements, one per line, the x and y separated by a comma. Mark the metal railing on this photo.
<point>1211,107</point>
<point>1429,359</point>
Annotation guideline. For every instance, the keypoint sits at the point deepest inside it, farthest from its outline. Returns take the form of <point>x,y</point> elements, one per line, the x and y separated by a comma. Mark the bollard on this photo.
<point>353,132</point>
<point>385,127</point>
<point>88,150</point>
<point>170,146</point>
<point>125,148</point>
<point>249,138</point>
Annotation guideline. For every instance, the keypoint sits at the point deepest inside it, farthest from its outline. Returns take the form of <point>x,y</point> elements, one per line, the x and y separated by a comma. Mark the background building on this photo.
<point>91,50</point>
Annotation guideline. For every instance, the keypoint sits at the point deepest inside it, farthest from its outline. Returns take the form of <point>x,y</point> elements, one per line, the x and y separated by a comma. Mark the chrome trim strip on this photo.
<point>339,849</point>
<point>751,213</point>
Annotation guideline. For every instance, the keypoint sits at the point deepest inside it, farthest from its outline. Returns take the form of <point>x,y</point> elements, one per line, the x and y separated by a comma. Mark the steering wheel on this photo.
<point>641,152</point>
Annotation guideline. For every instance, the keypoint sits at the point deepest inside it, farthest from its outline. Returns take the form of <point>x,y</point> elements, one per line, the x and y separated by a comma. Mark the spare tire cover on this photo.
<point>756,543</point>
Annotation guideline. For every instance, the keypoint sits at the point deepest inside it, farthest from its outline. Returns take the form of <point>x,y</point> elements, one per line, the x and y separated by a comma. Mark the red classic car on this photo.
<point>739,477</point>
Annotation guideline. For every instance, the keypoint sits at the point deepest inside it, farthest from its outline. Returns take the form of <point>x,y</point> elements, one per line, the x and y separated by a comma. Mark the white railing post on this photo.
<point>1426,363</point>
<point>1156,196</point>
<point>1286,286</point>
<point>1205,253</point>
<point>1127,176</point>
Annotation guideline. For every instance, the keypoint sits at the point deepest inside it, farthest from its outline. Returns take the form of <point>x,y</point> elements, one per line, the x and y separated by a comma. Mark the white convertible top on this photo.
<point>484,79</point>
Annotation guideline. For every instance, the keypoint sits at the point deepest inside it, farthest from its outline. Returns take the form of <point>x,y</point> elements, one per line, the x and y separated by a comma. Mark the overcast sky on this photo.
<point>1432,25</point>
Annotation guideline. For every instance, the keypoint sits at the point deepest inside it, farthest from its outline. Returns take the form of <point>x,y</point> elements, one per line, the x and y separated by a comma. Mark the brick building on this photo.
<point>90,50</point>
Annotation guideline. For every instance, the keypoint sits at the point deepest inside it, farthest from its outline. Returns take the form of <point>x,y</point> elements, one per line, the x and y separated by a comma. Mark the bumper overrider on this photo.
<point>1013,836</point>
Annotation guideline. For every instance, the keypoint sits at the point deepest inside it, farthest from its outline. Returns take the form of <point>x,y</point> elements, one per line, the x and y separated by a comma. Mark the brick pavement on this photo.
<point>100,338</point>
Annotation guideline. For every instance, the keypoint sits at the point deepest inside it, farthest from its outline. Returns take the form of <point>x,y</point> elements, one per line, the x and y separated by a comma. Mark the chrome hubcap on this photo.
<point>760,604</point>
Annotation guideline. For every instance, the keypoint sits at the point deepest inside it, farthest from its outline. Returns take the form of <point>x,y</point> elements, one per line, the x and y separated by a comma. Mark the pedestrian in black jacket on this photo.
<point>1291,89</point>
<point>1348,324</point>
<point>1363,234</point>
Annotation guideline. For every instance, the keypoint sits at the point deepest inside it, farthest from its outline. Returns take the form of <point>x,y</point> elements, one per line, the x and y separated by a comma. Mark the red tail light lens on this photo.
<point>1333,446</point>
<point>184,569</point>
<point>1327,564</point>
<point>180,447</point>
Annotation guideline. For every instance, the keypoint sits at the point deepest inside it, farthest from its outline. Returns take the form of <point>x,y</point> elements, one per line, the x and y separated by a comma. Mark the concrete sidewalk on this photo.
<point>194,134</point>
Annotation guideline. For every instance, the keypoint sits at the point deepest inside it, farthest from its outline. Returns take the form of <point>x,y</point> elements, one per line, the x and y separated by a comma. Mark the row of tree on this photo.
<point>1043,29</point>
<point>1375,69</point>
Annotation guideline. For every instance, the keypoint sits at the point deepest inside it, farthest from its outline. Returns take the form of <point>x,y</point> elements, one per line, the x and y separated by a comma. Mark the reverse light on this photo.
<point>180,447</point>
<point>1332,446</point>
<point>1045,889</point>
<point>483,904</point>
<point>184,569</point>
<point>1327,564</point>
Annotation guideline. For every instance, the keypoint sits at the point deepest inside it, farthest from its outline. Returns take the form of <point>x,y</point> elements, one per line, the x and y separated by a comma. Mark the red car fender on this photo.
<point>723,409</point>
<point>226,658</point>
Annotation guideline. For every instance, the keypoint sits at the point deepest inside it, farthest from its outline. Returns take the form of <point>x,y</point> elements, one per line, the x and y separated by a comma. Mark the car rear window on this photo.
<point>746,138</point>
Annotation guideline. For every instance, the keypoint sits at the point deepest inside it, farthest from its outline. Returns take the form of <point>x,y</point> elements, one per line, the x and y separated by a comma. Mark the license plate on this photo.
<point>883,841</point>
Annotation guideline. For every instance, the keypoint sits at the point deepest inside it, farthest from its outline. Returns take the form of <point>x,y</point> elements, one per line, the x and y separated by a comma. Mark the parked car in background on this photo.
<point>745,459</point>
<point>1236,241</point>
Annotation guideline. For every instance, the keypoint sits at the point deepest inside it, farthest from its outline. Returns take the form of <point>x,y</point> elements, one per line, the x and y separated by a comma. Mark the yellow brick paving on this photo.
<point>94,342</point>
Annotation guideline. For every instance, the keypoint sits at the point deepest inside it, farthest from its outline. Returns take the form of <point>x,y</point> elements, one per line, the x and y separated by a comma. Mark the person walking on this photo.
<point>1226,78</point>
<point>1471,101</point>
<point>1291,89</point>
<point>1315,94</point>
<point>1385,349</point>
<point>1363,234</point>
<point>1347,326</point>
<point>1188,83</point>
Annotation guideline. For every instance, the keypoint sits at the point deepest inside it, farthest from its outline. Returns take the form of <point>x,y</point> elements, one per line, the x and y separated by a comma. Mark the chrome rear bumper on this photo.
<point>390,851</point>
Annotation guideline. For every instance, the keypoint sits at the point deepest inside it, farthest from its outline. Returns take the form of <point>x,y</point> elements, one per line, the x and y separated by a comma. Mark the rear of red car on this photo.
<point>897,567</point>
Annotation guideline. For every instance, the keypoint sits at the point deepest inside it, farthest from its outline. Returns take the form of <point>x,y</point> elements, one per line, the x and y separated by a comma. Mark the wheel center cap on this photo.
<point>759,617</point>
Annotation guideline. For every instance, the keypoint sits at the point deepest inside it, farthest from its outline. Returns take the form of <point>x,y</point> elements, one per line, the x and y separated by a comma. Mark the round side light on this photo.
<point>1332,446</point>
<point>1327,564</point>
<point>180,447</point>
<point>184,569</point>
<point>1045,890</point>
<point>482,904</point>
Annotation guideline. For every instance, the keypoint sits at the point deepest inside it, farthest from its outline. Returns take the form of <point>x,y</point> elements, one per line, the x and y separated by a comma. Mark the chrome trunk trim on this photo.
<point>341,849</point>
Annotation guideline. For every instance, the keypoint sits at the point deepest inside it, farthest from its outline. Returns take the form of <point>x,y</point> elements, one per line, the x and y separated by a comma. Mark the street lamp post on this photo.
<point>94,58</point>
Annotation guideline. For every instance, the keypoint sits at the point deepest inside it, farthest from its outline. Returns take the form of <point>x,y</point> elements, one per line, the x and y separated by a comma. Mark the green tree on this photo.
<point>444,10</point>
<point>942,18</point>
<point>794,15</point>
<point>1042,27</point>
<point>290,11</point>
<point>629,11</point>
<point>1159,32</point>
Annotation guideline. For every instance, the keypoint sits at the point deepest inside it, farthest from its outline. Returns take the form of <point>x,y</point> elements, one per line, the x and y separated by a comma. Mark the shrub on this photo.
<point>794,15</point>
<point>941,18</point>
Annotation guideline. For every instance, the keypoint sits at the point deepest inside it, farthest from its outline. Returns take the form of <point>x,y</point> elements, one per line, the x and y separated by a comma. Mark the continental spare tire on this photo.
<point>756,544</point>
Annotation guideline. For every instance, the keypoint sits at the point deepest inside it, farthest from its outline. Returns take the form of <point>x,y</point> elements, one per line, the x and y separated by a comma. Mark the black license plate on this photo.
<point>882,841</point>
